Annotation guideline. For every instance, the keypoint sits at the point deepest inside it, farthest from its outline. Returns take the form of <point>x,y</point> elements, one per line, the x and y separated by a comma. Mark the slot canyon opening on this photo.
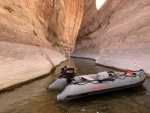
<point>99,3</point>
<point>36,35</point>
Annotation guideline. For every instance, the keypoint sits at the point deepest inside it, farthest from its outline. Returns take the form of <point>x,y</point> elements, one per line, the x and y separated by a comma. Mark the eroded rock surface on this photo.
<point>117,34</point>
<point>34,36</point>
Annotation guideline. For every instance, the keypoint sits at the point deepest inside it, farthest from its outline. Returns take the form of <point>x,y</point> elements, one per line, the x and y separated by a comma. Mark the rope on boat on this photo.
<point>142,72</point>
<point>93,81</point>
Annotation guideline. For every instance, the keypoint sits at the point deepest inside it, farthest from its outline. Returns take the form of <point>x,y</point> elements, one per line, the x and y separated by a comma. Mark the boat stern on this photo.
<point>59,84</point>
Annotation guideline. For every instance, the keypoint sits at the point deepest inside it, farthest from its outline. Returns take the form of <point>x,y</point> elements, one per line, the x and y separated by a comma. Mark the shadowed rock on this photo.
<point>117,34</point>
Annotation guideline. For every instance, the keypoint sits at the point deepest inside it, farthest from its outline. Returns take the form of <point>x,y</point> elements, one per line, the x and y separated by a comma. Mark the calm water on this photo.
<point>34,97</point>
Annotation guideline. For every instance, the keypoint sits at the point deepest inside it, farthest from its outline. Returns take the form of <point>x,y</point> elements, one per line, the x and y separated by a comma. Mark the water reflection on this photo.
<point>34,97</point>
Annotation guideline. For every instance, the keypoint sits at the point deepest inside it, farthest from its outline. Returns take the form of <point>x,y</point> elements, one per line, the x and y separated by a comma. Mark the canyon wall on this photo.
<point>34,37</point>
<point>117,34</point>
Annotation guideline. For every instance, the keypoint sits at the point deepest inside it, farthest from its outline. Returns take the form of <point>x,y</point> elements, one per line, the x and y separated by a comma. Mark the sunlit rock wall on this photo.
<point>41,22</point>
<point>117,34</point>
<point>35,35</point>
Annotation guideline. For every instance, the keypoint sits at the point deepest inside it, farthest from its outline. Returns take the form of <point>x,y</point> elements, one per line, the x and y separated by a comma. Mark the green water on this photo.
<point>34,97</point>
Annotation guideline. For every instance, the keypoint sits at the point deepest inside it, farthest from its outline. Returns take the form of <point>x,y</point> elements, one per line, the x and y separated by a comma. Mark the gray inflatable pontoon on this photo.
<point>79,86</point>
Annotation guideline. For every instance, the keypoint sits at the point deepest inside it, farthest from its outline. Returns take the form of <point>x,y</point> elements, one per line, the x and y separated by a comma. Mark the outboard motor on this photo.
<point>63,70</point>
<point>68,73</point>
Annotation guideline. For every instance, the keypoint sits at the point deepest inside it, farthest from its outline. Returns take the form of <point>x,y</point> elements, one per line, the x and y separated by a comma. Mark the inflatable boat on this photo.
<point>75,86</point>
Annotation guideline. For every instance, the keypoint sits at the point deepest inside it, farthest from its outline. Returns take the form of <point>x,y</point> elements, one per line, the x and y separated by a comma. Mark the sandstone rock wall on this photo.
<point>117,34</point>
<point>34,36</point>
<point>44,23</point>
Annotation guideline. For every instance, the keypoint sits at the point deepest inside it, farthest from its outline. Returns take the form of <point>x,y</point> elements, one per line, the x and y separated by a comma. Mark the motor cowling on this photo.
<point>68,73</point>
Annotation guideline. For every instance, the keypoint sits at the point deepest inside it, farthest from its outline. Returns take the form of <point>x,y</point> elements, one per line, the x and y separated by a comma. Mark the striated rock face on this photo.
<point>66,17</point>
<point>34,35</point>
<point>117,34</point>
<point>44,23</point>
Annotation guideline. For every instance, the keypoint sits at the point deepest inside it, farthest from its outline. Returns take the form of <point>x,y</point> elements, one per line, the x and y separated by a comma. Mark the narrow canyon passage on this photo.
<point>35,98</point>
<point>37,35</point>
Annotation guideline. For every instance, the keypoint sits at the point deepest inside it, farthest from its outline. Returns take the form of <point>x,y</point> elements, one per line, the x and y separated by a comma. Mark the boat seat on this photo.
<point>87,78</point>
